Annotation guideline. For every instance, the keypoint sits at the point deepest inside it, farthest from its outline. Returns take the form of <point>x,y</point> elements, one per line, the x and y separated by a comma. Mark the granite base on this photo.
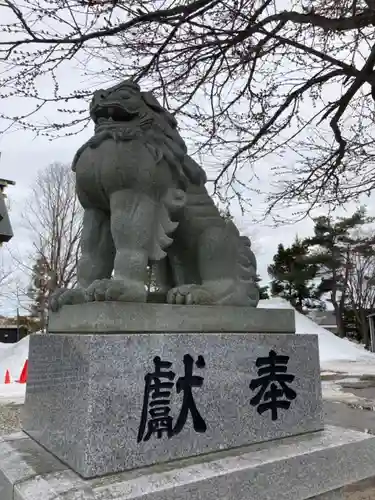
<point>98,403</point>
<point>318,465</point>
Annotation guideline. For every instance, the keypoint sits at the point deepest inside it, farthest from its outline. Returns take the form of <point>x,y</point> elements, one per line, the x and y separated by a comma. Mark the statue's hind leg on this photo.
<point>226,265</point>
<point>216,254</point>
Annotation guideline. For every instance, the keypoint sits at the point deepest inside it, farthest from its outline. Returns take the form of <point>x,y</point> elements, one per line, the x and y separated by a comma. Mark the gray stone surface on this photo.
<point>118,317</point>
<point>297,468</point>
<point>144,198</point>
<point>85,394</point>
<point>22,458</point>
<point>330,495</point>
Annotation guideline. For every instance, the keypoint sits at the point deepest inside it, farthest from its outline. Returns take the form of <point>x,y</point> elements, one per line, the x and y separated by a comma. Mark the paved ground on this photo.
<point>363,491</point>
<point>359,419</point>
<point>352,418</point>
<point>9,418</point>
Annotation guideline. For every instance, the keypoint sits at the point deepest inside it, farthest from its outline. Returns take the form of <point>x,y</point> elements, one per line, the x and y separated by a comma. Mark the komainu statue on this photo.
<point>145,201</point>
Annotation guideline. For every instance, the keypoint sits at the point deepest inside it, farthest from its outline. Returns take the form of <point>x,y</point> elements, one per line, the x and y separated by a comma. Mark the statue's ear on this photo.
<point>153,103</point>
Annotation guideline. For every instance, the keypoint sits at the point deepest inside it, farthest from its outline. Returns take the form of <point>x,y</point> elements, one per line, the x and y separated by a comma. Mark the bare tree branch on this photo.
<point>251,80</point>
<point>54,217</point>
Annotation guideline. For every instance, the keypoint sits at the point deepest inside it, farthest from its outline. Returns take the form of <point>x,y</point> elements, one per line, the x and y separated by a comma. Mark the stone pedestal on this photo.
<point>150,402</point>
<point>314,466</point>
<point>105,403</point>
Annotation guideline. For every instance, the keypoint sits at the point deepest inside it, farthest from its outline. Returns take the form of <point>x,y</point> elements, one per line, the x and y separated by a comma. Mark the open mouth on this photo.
<point>107,115</point>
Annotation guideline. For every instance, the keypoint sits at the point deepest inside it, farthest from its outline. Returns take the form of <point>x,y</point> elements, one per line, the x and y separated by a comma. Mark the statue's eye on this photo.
<point>125,95</point>
<point>100,94</point>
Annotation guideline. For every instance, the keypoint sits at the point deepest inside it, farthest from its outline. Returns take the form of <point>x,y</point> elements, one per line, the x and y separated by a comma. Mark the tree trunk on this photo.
<point>364,329</point>
<point>299,305</point>
<point>339,321</point>
<point>42,316</point>
<point>366,336</point>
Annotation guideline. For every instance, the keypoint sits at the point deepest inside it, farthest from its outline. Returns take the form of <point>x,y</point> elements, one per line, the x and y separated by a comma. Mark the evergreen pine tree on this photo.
<point>292,275</point>
<point>332,245</point>
<point>263,290</point>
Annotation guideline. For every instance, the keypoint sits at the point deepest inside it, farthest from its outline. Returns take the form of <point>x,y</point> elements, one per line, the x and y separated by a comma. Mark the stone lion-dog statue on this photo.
<point>145,201</point>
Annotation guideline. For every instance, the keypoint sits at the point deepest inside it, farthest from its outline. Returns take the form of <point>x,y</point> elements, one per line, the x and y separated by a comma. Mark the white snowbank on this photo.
<point>12,358</point>
<point>12,393</point>
<point>331,347</point>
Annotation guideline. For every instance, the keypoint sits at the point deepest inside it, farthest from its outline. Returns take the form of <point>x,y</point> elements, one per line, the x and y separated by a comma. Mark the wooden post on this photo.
<point>372,332</point>
<point>6,232</point>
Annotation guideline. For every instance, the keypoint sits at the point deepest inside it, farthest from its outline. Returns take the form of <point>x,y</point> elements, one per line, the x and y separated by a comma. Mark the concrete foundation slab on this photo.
<point>317,466</point>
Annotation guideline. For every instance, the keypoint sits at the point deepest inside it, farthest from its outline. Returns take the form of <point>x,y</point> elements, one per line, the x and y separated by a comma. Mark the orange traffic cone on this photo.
<point>7,377</point>
<point>23,377</point>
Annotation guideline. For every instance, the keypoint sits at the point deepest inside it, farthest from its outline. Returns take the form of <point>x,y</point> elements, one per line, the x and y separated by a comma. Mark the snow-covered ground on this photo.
<point>12,358</point>
<point>337,356</point>
<point>333,351</point>
<point>12,393</point>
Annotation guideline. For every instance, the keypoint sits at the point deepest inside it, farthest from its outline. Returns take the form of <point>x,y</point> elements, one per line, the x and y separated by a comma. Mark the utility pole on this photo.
<point>6,232</point>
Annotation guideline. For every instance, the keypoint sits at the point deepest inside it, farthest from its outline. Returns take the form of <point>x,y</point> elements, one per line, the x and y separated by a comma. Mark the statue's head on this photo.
<point>125,106</point>
<point>125,103</point>
<point>116,105</point>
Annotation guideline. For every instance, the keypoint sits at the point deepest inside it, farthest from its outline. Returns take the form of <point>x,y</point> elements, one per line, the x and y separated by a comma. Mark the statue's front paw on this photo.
<point>66,296</point>
<point>97,291</point>
<point>116,290</point>
<point>189,295</point>
<point>54,304</point>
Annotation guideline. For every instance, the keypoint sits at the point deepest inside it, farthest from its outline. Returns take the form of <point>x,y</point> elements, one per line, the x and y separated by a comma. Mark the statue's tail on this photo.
<point>247,270</point>
<point>243,290</point>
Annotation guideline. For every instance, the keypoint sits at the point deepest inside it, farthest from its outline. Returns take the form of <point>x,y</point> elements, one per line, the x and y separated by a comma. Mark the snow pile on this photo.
<point>13,357</point>
<point>331,347</point>
<point>12,393</point>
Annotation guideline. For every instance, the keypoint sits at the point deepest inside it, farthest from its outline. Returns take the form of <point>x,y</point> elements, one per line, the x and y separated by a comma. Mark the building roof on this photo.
<point>6,182</point>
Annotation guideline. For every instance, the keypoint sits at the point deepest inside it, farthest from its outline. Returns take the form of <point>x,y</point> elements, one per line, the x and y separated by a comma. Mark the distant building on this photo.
<point>6,232</point>
<point>371,321</point>
<point>10,334</point>
<point>325,319</point>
